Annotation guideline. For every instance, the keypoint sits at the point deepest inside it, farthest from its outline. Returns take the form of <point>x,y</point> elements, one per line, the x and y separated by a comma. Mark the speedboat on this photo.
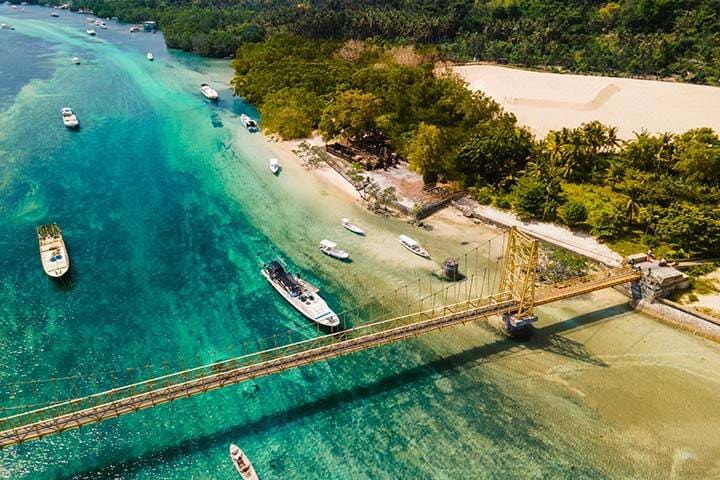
<point>90,31</point>
<point>274,166</point>
<point>353,228</point>
<point>330,249</point>
<point>242,463</point>
<point>413,246</point>
<point>209,92</point>
<point>150,56</point>
<point>300,294</point>
<point>103,25</point>
<point>53,253</point>
<point>54,14</point>
<point>76,60</point>
<point>134,29</point>
<point>69,118</point>
<point>249,123</point>
<point>6,26</point>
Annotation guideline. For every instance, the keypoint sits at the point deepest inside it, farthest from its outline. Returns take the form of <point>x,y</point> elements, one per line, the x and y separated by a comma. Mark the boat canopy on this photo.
<point>277,272</point>
<point>328,244</point>
<point>409,241</point>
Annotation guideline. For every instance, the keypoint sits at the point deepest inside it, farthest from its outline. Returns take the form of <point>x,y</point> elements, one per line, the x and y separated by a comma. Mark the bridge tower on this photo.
<point>517,281</point>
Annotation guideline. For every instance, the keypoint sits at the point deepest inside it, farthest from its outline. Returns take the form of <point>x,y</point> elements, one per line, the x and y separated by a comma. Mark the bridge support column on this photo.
<point>518,327</point>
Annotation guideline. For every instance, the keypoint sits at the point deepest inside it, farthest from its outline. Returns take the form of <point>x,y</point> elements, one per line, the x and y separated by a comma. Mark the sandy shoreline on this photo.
<point>545,101</point>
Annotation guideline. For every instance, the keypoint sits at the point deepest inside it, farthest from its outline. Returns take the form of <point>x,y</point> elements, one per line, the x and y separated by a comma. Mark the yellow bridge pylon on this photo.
<point>517,279</point>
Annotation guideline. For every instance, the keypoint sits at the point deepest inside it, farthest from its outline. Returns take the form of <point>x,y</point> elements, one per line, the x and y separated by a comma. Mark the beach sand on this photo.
<point>550,101</point>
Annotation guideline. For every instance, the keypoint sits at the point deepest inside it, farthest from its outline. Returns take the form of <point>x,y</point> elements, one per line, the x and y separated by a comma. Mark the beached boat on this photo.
<point>90,32</point>
<point>242,463</point>
<point>249,123</point>
<point>69,118</point>
<point>274,166</point>
<point>53,254</point>
<point>300,294</point>
<point>76,60</point>
<point>330,249</point>
<point>413,246</point>
<point>150,56</point>
<point>209,92</point>
<point>353,228</point>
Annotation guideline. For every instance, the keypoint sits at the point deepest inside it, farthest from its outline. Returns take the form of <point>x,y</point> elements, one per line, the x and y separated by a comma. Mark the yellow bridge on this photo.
<point>457,303</point>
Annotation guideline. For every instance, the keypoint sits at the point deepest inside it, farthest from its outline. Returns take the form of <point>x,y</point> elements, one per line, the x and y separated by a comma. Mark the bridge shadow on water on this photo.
<point>547,339</point>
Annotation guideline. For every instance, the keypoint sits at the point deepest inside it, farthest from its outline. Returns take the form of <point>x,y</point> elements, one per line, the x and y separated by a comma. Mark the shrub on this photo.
<point>575,213</point>
<point>484,195</point>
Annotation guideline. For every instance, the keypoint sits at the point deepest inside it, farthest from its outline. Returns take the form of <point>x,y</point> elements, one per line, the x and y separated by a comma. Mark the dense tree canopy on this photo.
<point>656,37</point>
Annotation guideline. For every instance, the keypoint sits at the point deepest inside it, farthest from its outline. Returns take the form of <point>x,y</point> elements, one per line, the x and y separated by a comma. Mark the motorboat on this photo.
<point>90,19</point>
<point>300,294</point>
<point>242,463</point>
<point>209,92</point>
<point>55,14</point>
<point>330,249</point>
<point>249,123</point>
<point>6,26</point>
<point>76,60</point>
<point>150,56</point>
<point>353,228</point>
<point>69,118</point>
<point>413,246</point>
<point>53,253</point>
<point>274,166</point>
<point>103,25</point>
<point>134,29</point>
<point>90,32</point>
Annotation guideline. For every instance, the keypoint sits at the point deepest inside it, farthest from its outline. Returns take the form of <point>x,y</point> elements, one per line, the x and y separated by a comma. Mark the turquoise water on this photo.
<point>168,211</point>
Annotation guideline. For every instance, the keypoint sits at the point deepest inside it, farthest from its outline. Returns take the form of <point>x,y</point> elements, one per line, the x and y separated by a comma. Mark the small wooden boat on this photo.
<point>413,246</point>
<point>330,249</point>
<point>242,463</point>
<point>53,253</point>
<point>274,166</point>
<point>353,228</point>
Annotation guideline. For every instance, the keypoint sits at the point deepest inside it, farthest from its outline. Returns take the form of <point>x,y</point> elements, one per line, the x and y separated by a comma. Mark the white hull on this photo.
<point>249,123</point>
<point>353,228</point>
<point>317,311</point>
<point>208,92</point>
<point>53,256</point>
<point>242,463</point>
<point>274,166</point>
<point>415,248</point>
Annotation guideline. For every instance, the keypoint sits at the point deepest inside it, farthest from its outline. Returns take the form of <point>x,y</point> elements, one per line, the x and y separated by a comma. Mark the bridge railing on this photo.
<point>16,428</point>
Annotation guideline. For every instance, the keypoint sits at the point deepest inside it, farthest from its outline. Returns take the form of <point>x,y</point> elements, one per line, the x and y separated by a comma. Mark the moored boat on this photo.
<point>150,56</point>
<point>330,249</point>
<point>242,463</point>
<point>249,123</point>
<point>413,246</point>
<point>274,166</point>
<point>76,60</point>
<point>353,228</point>
<point>69,118</point>
<point>53,253</point>
<point>6,26</point>
<point>300,294</point>
<point>54,14</point>
<point>134,29</point>
<point>209,92</point>
<point>90,32</point>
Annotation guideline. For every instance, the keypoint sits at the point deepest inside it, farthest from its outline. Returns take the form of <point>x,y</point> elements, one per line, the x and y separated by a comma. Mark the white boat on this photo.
<point>330,249</point>
<point>89,19</point>
<point>274,166</point>
<point>69,118</point>
<point>76,60</point>
<point>6,26</point>
<point>209,92</point>
<point>90,31</point>
<point>300,294</point>
<point>103,25</point>
<point>98,22</point>
<point>53,253</point>
<point>353,228</point>
<point>242,463</point>
<point>249,123</point>
<point>134,29</point>
<point>55,14</point>
<point>150,56</point>
<point>413,246</point>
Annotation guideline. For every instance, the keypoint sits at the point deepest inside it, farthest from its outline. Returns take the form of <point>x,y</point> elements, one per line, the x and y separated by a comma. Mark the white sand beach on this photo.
<point>549,101</point>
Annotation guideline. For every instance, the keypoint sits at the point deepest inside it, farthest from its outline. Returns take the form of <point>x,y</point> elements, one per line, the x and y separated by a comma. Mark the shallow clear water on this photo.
<point>168,210</point>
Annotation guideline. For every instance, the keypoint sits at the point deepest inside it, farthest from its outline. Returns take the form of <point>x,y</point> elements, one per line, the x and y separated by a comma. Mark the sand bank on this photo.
<point>549,101</point>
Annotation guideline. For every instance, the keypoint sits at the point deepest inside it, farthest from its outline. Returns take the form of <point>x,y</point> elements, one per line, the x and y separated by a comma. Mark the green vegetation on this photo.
<point>649,37</point>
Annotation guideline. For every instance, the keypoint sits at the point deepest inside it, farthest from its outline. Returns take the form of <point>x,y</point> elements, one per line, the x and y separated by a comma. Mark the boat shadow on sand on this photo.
<point>548,339</point>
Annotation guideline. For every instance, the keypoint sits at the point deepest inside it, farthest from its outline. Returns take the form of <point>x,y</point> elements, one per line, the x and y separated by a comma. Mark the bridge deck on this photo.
<point>76,413</point>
